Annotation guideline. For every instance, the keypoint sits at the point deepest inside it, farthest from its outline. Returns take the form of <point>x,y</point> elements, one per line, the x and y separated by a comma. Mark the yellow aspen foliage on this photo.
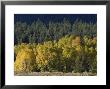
<point>94,41</point>
<point>41,57</point>
<point>86,49</point>
<point>78,48</point>
<point>65,42</point>
<point>18,47</point>
<point>48,44</point>
<point>25,60</point>
<point>76,41</point>
<point>66,54</point>
<point>62,42</point>
<point>45,54</point>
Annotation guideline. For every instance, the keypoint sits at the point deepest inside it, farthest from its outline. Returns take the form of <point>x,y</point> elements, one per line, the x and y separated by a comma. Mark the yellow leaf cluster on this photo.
<point>25,59</point>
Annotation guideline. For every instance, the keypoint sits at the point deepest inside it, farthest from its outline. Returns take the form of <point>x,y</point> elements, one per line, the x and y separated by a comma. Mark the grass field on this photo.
<point>55,74</point>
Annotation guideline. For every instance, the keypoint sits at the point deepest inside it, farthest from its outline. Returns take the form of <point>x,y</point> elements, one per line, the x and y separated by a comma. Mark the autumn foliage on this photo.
<point>66,55</point>
<point>61,46</point>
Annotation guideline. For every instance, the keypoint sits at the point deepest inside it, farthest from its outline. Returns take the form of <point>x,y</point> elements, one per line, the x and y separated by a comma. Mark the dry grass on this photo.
<point>55,74</point>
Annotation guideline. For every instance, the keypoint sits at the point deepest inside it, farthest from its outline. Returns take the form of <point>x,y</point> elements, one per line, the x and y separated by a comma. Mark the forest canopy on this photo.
<point>38,32</point>
<point>56,46</point>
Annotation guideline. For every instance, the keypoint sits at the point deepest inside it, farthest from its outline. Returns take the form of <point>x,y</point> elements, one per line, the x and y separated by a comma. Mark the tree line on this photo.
<point>63,46</point>
<point>38,31</point>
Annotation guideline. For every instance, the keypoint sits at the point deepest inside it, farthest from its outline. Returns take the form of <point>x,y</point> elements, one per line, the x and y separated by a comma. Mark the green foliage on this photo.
<point>38,32</point>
